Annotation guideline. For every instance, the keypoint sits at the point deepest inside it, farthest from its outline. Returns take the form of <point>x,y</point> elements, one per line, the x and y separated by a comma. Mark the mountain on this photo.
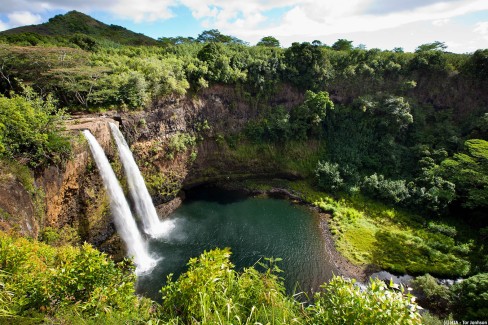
<point>74,22</point>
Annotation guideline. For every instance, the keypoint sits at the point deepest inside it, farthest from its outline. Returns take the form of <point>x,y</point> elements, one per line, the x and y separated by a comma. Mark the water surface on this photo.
<point>253,228</point>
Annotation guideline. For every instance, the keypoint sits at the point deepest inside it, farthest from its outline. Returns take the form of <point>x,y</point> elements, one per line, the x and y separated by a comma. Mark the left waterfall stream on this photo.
<point>124,221</point>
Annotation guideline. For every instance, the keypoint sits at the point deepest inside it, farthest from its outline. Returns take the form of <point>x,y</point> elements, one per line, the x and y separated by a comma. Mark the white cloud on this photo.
<point>21,18</point>
<point>234,14</point>
<point>315,19</point>
<point>440,22</point>
<point>293,20</point>
<point>3,26</point>
<point>142,10</point>
<point>481,28</point>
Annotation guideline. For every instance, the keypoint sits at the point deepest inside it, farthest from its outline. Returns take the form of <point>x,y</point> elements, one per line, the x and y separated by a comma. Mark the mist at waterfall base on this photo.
<point>253,228</point>
<point>124,221</point>
<point>142,200</point>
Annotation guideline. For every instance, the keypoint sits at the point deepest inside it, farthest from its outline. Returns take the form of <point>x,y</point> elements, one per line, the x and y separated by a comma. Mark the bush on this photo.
<point>442,228</point>
<point>470,298</point>
<point>377,186</point>
<point>180,142</point>
<point>436,297</point>
<point>328,176</point>
<point>211,291</point>
<point>57,281</point>
<point>344,302</point>
<point>29,130</point>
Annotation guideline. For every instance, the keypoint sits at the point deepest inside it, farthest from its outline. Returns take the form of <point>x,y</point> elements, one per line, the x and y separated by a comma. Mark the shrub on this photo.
<point>442,228</point>
<point>180,142</point>
<point>344,302</point>
<point>80,281</point>
<point>470,298</point>
<point>377,186</point>
<point>29,130</point>
<point>328,176</point>
<point>211,291</point>
<point>436,297</point>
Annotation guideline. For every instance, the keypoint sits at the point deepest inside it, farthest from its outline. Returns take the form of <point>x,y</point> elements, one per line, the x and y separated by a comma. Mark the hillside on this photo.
<point>75,22</point>
<point>391,147</point>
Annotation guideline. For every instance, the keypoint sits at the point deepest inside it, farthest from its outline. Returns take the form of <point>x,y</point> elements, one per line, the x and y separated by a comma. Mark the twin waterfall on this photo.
<point>124,221</point>
<point>138,190</point>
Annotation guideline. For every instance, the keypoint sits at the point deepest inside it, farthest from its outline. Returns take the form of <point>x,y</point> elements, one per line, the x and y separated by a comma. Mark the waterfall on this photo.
<point>142,200</point>
<point>126,226</point>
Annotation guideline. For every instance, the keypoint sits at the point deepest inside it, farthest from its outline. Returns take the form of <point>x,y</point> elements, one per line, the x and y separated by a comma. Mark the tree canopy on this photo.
<point>269,41</point>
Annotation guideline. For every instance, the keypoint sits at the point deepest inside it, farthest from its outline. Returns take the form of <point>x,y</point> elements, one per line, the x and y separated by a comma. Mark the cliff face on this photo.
<point>17,211</point>
<point>74,194</point>
<point>174,143</point>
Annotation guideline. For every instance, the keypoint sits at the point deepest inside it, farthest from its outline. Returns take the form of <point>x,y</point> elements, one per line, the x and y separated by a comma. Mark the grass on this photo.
<point>371,233</point>
<point>366,232</point>
<point>359,241</point>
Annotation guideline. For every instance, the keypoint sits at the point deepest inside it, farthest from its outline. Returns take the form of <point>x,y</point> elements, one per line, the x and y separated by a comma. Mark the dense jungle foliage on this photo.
<point>67,285</point>
<point>401,164</point>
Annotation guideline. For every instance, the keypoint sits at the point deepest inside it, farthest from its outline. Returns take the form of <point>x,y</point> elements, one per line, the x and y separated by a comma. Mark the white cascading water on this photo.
<point>126,226</point>
<point>144,206</point>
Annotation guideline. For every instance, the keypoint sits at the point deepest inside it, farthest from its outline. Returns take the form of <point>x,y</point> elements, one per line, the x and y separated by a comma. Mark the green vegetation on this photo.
<point>39,283</point>
<point>466,299</point>
<point>212,292</point>
<point>341,299</point>
<point>436,297</point>
<point>29,130</point>
<point>397,141</point>
<point>369,232</point>
<point>74,27</point>
<point>65,284</point>
<point>470,297</point>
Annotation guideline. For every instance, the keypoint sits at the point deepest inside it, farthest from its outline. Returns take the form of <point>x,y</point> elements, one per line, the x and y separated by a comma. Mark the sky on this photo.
<point>461,24</point>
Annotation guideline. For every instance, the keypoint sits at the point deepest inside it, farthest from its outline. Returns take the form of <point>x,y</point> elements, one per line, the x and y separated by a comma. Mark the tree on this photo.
<point>215,55</point>
<point>342,45</point>
<point>307,66</point>
<point>477,65</point>
<point>431,190</point>
<point>436,297</point>
<point>428,63</point>
<point>435,46</point>
<point>377,186</point>
<point>30,130</point>
<point>176,40</point>
<point>78,82</point>
<point>396,113</point>
<point>85,42</point>
<point>214,35</point>
<point>306,119</point>
<point>269,41</point>
<point>468,170</point>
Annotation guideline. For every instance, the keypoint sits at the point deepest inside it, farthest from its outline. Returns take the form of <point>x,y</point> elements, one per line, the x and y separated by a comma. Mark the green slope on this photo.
<point>75,22</point>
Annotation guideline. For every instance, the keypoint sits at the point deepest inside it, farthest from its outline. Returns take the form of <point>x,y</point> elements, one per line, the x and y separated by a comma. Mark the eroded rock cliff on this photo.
<point>175,143</point>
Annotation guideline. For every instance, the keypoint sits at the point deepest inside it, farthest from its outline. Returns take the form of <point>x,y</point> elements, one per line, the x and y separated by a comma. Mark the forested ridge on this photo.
<point>396,146</point>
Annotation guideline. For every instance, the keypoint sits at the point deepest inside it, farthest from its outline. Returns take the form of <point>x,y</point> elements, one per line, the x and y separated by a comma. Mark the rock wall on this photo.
<point>171,144</point>
<point>17,210</point>
<point>74,194</point>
